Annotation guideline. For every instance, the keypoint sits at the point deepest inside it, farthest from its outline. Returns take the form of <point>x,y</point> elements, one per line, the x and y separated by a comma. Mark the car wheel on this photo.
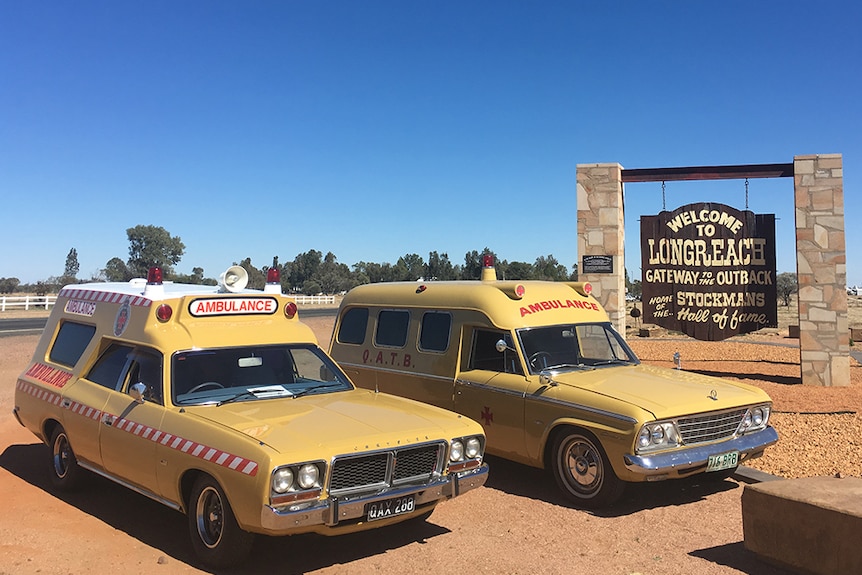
<point>216,537</point>
<point>582,470</point>
<point>63,467</point>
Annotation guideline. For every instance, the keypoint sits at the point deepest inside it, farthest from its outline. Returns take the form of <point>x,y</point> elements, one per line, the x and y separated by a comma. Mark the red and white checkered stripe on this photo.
<point>199,450</point>
<point>99,296</point>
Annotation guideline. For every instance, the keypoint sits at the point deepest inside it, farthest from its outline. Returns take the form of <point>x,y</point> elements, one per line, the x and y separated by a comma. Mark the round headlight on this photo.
<point>308,476</point>
<point>644,437</point>
<point>474,448</point>
<point>657,434</point>
<point>456,453</point>
<point>282,480</point>
<point>757,416</point>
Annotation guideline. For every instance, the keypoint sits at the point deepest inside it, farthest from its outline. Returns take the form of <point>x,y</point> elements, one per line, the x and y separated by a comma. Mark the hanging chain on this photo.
<point>746,193</point>
<point>663,206</point>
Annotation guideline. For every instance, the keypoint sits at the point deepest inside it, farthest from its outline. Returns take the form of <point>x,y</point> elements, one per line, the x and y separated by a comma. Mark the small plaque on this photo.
<point>597,265</point>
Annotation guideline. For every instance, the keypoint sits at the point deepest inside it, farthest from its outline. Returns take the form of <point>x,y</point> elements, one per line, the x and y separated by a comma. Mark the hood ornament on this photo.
<point>713,395</point>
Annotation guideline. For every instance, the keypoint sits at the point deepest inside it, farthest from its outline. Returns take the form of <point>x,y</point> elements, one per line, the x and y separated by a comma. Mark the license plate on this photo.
<point>390,507</point>
<point>723,461</point>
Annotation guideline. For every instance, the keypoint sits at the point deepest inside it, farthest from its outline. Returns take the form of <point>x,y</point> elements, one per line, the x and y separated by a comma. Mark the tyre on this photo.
<point>216,537</point>
<point>582,470</point>
<point>63,469</point>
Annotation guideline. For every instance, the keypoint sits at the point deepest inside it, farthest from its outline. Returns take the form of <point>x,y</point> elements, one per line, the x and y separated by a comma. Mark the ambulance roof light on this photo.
<point>273,281</point>
<point>154,287</point>
<point>489,274</point>
<point>154,276</point>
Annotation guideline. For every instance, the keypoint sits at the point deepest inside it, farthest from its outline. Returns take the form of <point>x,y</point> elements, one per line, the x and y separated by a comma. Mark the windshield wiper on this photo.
<point>308,390</point>
<point>265,392</point>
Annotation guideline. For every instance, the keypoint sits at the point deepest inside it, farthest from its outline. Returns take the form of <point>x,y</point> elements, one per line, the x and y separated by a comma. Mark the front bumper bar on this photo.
<point>331,511</point>
<point>686,460</point>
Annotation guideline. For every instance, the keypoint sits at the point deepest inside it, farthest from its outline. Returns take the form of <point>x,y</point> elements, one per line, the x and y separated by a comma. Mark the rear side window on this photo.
<point>352,326</point>
<point>392,328</point>
<point>434,331</point>
<point>72,339</point>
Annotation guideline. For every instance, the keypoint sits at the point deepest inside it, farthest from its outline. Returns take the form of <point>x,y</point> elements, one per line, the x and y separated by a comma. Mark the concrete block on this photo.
<point>810,525</point>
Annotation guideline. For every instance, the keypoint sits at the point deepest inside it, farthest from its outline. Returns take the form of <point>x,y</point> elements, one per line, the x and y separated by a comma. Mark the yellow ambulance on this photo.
<point>217,402</point>
<point>554,385</point>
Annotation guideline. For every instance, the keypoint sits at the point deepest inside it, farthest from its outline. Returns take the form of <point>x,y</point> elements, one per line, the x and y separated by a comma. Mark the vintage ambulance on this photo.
<point>554,385</point>
<point>217,402</point>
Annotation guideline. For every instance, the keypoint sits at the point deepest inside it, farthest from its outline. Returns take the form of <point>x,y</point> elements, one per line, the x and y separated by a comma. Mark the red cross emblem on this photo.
<point>487,416</point>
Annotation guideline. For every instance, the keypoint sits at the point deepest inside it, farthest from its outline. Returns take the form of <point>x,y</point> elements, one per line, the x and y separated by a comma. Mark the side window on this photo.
<point>484,354</point>
<point>111,367</point>
<point>392,328</point>
<point>434,331</point>
<point>146,368</point>
<point>352,326</point>
<point>71,341</point>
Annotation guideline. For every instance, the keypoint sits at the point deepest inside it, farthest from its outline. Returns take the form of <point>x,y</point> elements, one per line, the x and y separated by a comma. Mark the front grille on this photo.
<point>382,469</point>
<point>710,427</point>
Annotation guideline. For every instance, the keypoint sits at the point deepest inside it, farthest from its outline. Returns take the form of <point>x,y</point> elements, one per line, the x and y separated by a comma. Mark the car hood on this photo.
<point>661,391</point>
<point>343,422</point>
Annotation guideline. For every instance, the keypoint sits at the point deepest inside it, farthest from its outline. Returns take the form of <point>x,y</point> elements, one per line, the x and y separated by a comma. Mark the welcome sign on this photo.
<point>709,271</point>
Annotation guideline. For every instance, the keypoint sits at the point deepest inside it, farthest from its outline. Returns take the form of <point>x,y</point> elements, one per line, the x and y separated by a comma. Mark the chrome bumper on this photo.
<point>331,511</point>
<point>683,460</point>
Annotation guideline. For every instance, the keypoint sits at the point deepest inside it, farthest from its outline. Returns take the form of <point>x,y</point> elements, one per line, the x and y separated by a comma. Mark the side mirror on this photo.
<point>502,346</point>
<point>137,391</point>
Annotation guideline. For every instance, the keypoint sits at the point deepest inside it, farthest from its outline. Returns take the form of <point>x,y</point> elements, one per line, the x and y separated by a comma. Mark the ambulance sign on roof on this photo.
<point>233,306</point>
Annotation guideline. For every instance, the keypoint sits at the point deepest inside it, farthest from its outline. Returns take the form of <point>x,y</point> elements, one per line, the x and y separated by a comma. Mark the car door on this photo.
<point>130,430</point>
<point>491,390</point>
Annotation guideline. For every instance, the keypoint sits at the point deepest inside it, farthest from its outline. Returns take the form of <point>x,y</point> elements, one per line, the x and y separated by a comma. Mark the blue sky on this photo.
<point>374,129</point>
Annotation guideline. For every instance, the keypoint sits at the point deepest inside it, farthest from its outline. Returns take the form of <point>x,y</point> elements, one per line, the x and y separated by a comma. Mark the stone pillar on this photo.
<point>821,267</point>
<point>601,232</point>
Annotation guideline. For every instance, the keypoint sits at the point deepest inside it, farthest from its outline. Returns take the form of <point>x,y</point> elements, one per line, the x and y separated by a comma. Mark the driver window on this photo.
<point>146,367</point>
<point>484,354</point>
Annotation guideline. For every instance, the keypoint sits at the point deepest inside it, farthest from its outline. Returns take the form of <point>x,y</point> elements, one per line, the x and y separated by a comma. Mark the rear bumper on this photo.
<point>334,511</point>
<point>694,459</point>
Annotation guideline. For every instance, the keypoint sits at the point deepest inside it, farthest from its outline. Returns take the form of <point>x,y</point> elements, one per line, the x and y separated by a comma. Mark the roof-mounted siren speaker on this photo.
<point>233,279</point>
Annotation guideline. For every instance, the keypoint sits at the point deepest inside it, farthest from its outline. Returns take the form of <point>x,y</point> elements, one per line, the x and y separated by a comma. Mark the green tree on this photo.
<point>519,271</point>
<point>439,267</point>
<point>333,277</point>
<point>473,263</point>
<point>548,268</point>
<point>116,270</point>
<point>153,246</point>
<point>256,278</point>
<point>409,267</point>
<point>786,284</point>
<point>8,285</point>
<point>70,274</point>
<point>303,269</point>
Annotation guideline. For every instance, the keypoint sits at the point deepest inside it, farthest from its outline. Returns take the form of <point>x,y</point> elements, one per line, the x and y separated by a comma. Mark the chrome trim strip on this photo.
<point>690,458</point>
<point>330,512</point>
<point>542,399</point>
<point>344,365</point>
<point>492,388</point>
<point>128,485</point>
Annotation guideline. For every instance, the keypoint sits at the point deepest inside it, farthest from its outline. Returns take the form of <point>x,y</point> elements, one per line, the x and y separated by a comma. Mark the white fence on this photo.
<point>27,302</point>
<point>314,299</point>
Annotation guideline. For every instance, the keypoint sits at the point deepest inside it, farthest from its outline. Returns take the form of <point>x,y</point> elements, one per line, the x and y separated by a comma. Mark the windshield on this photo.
<point>252,373</point>
<point>573,346</point>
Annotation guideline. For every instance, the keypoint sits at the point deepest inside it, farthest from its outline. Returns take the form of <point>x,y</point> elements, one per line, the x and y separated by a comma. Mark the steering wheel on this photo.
<point>204,385</point>
<point>539,355</point>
